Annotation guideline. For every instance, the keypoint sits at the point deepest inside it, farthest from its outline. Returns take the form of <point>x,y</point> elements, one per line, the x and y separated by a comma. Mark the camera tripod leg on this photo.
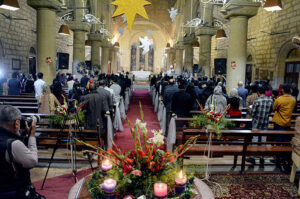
<point>50,161</point>
<point>90,161</point>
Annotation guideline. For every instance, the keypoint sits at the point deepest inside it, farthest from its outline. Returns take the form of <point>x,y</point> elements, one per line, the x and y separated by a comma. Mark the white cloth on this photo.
<point>164,120</point>
<point>171,139</point>
<point>156,103</point>
<point>112,94</point>
<point>126,100</point>
<point>117,120</point>
<point>38,88</point>
<point>159,111</point>
<point>122,109</point>
<point>70,84</point>
<point>110,135</point>
<point>117,90</point>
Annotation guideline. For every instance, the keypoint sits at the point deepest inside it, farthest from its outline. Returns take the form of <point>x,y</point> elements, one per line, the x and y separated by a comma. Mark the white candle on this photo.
<point>160,189</point>
<point>109,185</point>
<point>106,165</point>
<point>181,179</point>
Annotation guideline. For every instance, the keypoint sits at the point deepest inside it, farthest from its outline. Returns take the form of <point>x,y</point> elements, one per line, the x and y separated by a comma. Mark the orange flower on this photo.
<point>172,160</point>
<point>152,163</point>
<point>142,154</point>
<point>110,151</point>
<point>137,143</point>
<point>146,137</point>
<point>130,161</point>
<point>168,153</point>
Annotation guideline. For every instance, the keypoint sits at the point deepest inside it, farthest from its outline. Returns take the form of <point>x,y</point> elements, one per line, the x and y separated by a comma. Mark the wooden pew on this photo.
<point>239,143</point>
<point>19,103</point>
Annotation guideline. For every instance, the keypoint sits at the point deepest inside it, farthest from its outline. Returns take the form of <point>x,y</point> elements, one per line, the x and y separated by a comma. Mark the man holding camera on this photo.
<point>16,159</point>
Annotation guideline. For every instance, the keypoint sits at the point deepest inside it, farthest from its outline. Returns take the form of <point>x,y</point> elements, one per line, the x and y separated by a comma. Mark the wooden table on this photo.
<point>80,191</point>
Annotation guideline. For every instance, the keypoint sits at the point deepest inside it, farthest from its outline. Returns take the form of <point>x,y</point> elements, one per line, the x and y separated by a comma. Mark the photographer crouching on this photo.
<point>16,159</point>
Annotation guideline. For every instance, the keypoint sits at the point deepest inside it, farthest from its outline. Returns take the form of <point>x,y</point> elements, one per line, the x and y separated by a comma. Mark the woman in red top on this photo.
<point>236,104</point>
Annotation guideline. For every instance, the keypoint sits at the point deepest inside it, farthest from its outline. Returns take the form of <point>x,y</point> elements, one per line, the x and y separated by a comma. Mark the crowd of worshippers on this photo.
<point>259,99</point>
<point>101,92</point>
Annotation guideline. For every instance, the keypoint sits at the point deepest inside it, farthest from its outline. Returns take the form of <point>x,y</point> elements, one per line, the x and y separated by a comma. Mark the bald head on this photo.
<point>240,84</point>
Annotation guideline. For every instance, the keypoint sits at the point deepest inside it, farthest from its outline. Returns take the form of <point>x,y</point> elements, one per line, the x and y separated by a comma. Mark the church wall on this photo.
<point>18,36</point>
<point>268,51</point>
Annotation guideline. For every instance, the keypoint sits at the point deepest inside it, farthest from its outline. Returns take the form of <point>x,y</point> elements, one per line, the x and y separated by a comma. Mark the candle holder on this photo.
<point>179,189</point>
<point>110,195</point>
<point>163,197</point>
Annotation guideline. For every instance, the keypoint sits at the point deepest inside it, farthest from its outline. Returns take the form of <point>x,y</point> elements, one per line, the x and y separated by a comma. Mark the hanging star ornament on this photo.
<point>130,8</point>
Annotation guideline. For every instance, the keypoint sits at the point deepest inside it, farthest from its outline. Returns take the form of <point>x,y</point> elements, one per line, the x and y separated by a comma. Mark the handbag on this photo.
<point>29,191</point>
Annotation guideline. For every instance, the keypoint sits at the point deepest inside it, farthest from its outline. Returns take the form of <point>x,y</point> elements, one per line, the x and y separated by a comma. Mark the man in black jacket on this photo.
<point>15,157</point>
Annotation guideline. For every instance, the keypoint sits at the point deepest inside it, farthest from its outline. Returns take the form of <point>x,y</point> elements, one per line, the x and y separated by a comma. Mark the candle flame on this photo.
<point>106,162</point>
<point>180,174</point>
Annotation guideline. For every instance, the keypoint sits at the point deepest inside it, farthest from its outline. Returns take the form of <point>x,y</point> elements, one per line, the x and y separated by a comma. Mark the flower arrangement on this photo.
<point>211,119</point>
<point>136,171</point>
<point>81,67</point>
<point>60,112</point>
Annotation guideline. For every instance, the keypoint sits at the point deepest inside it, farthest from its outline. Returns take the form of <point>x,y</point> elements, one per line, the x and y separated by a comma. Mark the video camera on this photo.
<point>29,120</point>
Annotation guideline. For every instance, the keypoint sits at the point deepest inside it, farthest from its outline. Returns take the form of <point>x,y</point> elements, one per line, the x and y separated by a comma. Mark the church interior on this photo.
<point>145,46</point>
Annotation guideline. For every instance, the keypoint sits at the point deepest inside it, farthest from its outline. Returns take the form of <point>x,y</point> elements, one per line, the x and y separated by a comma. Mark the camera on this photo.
<point>29,120</point>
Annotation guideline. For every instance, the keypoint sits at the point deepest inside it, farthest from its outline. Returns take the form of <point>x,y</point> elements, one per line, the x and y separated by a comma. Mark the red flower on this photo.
<point>142,153</point>
<point>127,168</point>
<point>136,173</point>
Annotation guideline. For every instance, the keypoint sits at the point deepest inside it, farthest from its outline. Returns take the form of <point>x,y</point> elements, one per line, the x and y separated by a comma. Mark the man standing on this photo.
<point>260,111</point>
<point>94,108</point>
<point>16,159</point>
<point>107,102</point>
<point>243,93</point>
<point>283,109</point>
<point>168,95</point>
<point>14,85</point>
<point>38,85</point>
<point>117,89</point>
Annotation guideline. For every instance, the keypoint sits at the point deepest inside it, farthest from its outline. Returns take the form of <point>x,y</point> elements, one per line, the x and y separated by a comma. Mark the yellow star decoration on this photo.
<point>130,8</point>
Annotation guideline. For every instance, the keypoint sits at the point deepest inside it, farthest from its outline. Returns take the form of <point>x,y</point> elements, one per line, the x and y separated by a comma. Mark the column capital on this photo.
<point>95,37</point>
<point>51,4</point>
<point>206,31</point>
<point>179,47</point>
<point>79,26</point>
<point>240,8</point>
<point>189,40</point>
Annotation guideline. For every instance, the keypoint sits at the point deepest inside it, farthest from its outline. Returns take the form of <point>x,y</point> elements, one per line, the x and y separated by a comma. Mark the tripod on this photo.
<point>59,140</point>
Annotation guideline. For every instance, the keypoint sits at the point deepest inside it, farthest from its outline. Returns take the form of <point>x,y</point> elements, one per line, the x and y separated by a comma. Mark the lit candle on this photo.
<point>160,189</point>
<point>106,165</point>
<point>109,185</point>
<point>181,179</point>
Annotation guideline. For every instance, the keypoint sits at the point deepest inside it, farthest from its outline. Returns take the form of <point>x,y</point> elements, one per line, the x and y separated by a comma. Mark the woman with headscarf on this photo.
<point>216,102</point>
<point>236,104</point>
<point>47,101</point>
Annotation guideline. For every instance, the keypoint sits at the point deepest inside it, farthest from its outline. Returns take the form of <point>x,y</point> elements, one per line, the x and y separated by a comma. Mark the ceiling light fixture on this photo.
<point>64,30</point>
<point>10,5</point>
<point>221,34</point>
<point>273,5</point>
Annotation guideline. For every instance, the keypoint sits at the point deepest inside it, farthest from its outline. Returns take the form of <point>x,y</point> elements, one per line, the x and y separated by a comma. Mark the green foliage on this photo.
<point>201,121</point>
<point>138,185</point>
<point>58,119</point>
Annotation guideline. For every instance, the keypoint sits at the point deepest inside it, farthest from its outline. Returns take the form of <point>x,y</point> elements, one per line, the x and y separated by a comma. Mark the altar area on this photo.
<point>141,75</point>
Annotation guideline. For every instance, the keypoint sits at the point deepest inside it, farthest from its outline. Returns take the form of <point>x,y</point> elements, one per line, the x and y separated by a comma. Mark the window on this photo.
<point>292,66</point>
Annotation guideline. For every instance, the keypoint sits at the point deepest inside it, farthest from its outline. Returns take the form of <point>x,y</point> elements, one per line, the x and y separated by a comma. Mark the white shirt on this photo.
<point>70,84</point>
<point>38,87</point>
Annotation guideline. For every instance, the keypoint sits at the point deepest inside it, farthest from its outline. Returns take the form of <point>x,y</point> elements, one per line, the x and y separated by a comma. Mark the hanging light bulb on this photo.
<point>273,5</point>
<point>64,30</point>
<point>10,5</point>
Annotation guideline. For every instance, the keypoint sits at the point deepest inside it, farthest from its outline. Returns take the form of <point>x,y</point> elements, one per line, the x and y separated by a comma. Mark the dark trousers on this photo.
<point>283,160</point>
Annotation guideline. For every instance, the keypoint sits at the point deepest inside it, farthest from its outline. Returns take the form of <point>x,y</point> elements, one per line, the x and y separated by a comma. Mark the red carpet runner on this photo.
<point>124,139</point>
<point>59,187</point>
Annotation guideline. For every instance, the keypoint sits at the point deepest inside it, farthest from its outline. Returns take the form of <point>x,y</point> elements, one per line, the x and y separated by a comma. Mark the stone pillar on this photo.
<point>179,60</point>
<point>46,36</point>
<point>137,58</point>
<point>96,44</point>
<point>205,33</point>
<point>189,52</point>
<point>105,58</point>
<point>237,51</point>
<point>114,61</point>
<point>79,28</point>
